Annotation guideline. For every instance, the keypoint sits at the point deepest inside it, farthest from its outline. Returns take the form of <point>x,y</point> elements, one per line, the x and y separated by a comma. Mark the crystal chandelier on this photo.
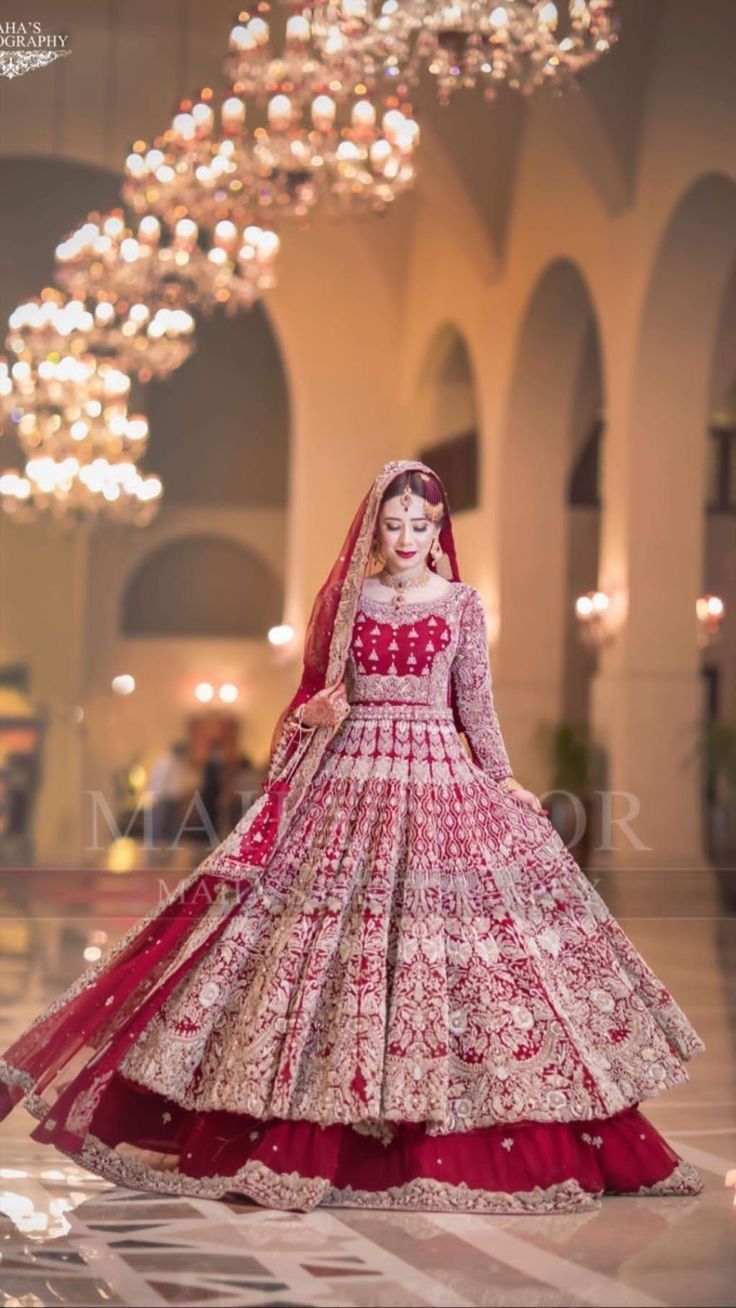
<point>336,90</point>
<point>356,150</point>
<point>136,301</point>
<point>64,339</point>
<point>79,470</point>
<point>520,43</point>
<point>164,266</point>
<point>68,408</point>
<point>323,120</point>
<point>75,493</point>
<point>59,354</point>
<point>209,169</point>
<point>372,159</point>
<point>331,45</point>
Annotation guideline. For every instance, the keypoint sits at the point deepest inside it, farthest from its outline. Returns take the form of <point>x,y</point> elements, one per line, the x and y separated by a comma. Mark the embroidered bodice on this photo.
<point>421,652</point>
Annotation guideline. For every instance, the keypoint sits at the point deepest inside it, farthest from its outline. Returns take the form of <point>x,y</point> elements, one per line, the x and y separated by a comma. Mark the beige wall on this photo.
<point>612,217</point>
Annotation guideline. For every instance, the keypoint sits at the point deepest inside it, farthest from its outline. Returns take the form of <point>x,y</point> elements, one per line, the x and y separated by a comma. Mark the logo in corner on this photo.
<point>25,46</point>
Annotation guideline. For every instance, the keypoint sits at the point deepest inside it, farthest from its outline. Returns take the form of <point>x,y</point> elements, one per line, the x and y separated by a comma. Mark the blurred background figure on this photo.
<point>242,786</point>
<point>170,784</point>
<point>211,793</point>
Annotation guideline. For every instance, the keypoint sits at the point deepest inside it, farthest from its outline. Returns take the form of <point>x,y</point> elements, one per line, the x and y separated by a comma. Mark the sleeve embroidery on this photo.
<point>472,682</point>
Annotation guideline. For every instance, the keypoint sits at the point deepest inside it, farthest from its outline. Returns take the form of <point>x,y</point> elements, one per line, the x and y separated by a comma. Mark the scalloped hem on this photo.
<point>272,1189</point>
<point>532,1167</point>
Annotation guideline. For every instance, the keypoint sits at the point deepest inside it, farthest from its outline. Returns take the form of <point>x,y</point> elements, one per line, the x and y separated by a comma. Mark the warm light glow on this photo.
<point>228,693</point>
<point>594,604</point>
<point>710,607</point>
<point>137,778</point>
<point>204,692</point>
<point>122,855</point>
<point>281,634</point>
<point>279,111</point>
<point>123,684</point>
<point>92,953</point>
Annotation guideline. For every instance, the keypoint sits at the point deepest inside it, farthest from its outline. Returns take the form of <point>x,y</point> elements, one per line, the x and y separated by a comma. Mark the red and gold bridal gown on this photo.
<point>420,1002</point>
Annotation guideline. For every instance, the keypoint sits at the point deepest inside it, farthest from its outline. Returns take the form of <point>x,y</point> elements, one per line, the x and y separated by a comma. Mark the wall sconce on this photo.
<point>710,611</point>
<point>205,692</point>
<point>593,612</point>
<point>124,684</point>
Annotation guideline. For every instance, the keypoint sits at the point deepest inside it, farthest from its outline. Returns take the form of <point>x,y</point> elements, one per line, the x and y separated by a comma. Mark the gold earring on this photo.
<point>435,548</point>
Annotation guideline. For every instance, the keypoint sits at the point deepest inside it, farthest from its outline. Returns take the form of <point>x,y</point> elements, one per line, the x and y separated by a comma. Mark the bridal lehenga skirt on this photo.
<point>420,1002</point>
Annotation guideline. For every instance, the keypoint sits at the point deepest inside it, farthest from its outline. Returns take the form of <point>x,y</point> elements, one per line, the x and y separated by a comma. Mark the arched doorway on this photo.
<point>651,694</point>
<point>553,415</point>
<point>446,417</point>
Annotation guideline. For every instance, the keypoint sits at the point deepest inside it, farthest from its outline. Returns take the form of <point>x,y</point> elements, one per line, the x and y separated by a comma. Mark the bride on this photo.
<point>391,986</point>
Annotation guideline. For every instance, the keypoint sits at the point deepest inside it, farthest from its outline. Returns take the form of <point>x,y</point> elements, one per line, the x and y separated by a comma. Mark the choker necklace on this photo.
<point>399,584</point>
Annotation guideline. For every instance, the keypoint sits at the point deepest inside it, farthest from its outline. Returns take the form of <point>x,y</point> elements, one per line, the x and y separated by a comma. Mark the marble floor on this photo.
<point>70,1238</point>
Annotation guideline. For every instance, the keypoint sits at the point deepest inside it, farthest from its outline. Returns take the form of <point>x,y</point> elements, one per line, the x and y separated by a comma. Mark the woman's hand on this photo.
<point>328,707</point>
<point>530,799</point>
<point>525,796</point>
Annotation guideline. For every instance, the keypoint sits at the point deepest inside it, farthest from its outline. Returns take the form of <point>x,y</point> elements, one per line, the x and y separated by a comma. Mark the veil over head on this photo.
<point>326,644</point>
<point>333,611</point>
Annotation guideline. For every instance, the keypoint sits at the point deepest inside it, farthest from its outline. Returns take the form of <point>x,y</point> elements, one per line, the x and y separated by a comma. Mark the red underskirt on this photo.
<point>622,1152</point>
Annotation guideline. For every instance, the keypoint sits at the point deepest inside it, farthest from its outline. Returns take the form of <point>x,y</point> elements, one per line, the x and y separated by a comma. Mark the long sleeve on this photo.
<point>471,681</point>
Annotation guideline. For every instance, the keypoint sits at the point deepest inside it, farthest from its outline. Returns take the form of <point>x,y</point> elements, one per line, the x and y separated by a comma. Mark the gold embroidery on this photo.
<point>289,1190</point>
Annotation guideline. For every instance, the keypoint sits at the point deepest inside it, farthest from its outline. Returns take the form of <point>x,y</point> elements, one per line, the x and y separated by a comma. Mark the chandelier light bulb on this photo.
<point>203,117</point>
<point>548,15</point>
<point>185,126</point>
<point>324,110</point>
<point>241,39</point>
<point>298,29</point>
<point>105,312</point>
<point>186,230</point>
<point>279,112</point>
<point>149,228</point>
<point>226,233</point>
<point>233,112</point>
<point>363,114</point>
<point>13,486</point>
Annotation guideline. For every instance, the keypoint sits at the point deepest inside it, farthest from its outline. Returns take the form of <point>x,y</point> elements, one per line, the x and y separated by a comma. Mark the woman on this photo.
<point>391,985</point>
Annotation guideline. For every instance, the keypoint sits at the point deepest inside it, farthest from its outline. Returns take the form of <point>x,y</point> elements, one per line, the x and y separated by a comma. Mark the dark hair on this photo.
<point>422,484</point>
